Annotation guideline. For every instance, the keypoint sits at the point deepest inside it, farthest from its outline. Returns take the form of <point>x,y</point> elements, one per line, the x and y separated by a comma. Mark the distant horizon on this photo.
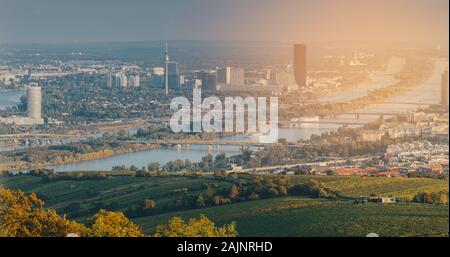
<point>53,21</point>
<point>233,41</point>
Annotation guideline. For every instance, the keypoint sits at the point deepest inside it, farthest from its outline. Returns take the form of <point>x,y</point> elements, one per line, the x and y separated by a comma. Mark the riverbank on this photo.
<point>4,90</point>
<point>70,158</point>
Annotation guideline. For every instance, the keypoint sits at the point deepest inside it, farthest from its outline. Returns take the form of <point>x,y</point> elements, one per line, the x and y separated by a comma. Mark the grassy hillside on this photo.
<point>354,186</point>
<point>286,216</point>
<point>296,216</point>
<point>123,191</point>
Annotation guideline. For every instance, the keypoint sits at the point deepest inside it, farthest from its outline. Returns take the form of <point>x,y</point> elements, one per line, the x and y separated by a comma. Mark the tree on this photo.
<point>234,192</point>
<point>427,198</point>
<point>202,227</point>
<point>302,170</point>
<point>221,161</point>
<point>331,172</point>
<point>253,196</point>
<point>439,197</point>
<point>24,216</point>
<point>313,188</point>
<point>434,197</point>
<point>272,192</point>
<point>113,224</point>
<point>200,202</point>
<point>220,173</point>
<point>188,164</point>
<point>217,200</point>
<point>282,190</point>
<point>442,198</point>
<point>148,204</point>
<point>207,162</point>
<point>153,166</point>
<point>141,173</point>
<point>119,168</point>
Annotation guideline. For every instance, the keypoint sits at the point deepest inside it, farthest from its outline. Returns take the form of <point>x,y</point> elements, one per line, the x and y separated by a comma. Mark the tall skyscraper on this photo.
<point>171,73</point>
<point>34,99</point>
<point>237,76</point>
<point>209,80</point>
<point>123,80</point>
<point>134,81</point>
<point>268,74</point>
<point>224,75</point>
<point>117,79</point>
<point>108,80</point>
<point>300,65</point>
<point>444,87</point>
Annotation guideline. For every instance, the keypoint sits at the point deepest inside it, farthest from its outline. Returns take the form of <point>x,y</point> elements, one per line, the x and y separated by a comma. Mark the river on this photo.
<point>10,98</point>
<point>376,80</point>
<point>141,159</point>
<point>428,92</point>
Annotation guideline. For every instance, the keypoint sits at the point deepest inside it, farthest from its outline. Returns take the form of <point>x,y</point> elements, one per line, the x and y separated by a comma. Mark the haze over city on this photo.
<point>53,21</point>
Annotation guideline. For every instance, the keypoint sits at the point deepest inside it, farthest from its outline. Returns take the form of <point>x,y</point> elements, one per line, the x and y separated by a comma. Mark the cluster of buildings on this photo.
<point>7,76</point>
<point>273,80</point>
<point>168,76</point>
<point>232,78</point>
<point>419,155</point>
<point>401,159</point>
<point>36,72</point>
<point>122,80</point>
<point>418,125</point>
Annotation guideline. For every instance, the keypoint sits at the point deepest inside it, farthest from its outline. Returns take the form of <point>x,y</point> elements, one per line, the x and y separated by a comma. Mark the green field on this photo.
<point>286,216</point>
<point>125,191</point>
<point>295,216</point>
<point>353,186</point>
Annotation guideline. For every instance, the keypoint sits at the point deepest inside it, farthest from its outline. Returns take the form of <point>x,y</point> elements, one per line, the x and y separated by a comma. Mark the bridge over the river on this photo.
<point>201,142</point>
<point>371,102</point>
<point>27,138</point>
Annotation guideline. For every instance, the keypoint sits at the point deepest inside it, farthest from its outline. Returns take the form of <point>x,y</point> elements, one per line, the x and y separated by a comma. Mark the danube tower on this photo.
<point>166,71</point>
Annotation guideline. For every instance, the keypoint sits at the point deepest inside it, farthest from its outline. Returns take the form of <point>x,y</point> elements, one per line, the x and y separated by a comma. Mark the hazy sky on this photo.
<point>274,20</point>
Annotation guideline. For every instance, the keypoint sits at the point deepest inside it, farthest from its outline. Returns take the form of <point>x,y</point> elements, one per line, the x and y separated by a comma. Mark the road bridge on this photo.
<point>208,143</point>
<point>39,138</point>
<point>370,102</point>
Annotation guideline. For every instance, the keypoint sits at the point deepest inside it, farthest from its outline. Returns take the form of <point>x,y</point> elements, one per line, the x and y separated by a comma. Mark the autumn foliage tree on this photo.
<point>148,204</point>
<point>113,224</point>
<point>432,198</point>
<point>202,227</point>
<point>24,216</point>
<point>234,192</point>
